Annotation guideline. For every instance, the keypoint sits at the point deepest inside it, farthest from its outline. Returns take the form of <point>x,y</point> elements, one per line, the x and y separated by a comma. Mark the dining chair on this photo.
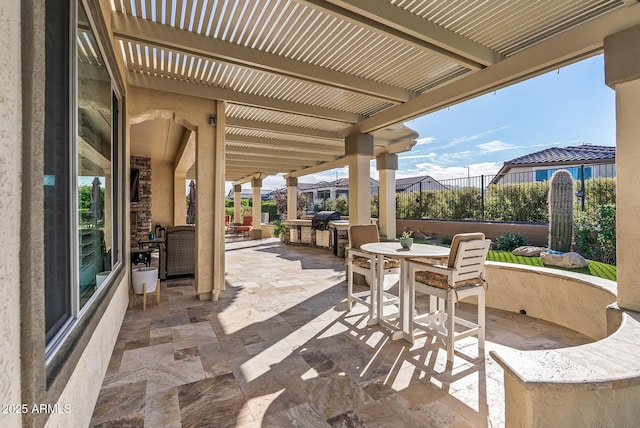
<point>366,265</point>
<point>462,276</point>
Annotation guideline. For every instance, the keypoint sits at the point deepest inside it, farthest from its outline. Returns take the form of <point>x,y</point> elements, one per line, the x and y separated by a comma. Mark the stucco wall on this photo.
<point>572,300</point>
<point>10,192</point>
<point>536,234</point>
<point>83,388</point>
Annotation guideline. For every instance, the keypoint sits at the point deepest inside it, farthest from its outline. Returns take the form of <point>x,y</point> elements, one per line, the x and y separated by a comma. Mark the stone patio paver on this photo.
<point>278,349</point>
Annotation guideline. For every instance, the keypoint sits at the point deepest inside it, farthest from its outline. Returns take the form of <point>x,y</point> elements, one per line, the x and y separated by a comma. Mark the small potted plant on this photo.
<point>406,240</point>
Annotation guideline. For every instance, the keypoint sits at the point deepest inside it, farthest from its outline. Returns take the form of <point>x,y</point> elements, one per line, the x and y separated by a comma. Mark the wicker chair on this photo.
<point>178,253</point>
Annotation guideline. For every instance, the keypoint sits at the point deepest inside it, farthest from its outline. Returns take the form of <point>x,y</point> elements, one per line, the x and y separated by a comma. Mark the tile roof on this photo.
<point>405,183</point>
<point>571,154</point>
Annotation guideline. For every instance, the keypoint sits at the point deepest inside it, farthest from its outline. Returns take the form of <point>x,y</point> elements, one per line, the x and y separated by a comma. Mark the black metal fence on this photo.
<point>515,197</point>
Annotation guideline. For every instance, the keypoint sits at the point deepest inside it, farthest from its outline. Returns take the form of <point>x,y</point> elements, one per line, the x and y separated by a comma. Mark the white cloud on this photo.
<point>443,173</point>
<point>467,138</point>
<point>451,157</point>
<point>496,146</point>
<point>424,140</point>
<point>425,156</point>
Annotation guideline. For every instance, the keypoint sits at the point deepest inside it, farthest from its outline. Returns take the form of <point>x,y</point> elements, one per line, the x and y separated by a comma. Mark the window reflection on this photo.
<point>94,178</point>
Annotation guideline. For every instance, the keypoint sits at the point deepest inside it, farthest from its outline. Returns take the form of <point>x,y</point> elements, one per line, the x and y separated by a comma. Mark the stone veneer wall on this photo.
<point>141,211</point>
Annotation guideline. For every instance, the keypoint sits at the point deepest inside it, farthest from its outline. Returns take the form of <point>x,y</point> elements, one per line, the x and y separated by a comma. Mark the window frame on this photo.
<point>76,330</point>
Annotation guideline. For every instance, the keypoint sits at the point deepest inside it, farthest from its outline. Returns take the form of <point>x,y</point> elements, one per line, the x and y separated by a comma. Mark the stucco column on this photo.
<point>292,198</point>
<point>210,173</point>
<point>256,186</point>
<point>622,72</point>
<point>179,198</point>
<point>16,288</point>
<point>237,203</point>
<point>359,149</point>
<point>387,165</point>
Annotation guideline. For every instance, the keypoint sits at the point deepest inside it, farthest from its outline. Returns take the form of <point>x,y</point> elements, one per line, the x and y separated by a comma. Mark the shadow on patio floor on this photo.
<point>278,350</point>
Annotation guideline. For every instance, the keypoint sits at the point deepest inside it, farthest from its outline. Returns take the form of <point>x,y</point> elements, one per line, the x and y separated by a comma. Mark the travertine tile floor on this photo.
<point>278,349</point>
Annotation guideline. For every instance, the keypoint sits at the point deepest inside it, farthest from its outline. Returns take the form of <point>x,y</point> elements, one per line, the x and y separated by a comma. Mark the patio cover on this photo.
<point>299,76</point>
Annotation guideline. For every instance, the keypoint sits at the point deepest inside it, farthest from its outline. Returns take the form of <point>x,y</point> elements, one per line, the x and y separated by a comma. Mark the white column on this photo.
<point>292,198</point>
<point>210,174</point>
<point>359,149</point>
<point>622,72</point>
<point>387,164</point>
<point>256,185</point>
<point>237,204</point>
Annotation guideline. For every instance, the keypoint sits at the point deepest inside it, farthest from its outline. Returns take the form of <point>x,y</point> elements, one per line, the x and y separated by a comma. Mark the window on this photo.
<point>82,239</point>
<point>576,173</point>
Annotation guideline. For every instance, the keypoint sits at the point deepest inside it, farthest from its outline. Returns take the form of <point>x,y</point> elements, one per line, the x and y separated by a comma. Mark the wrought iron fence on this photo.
<point>514,197</point>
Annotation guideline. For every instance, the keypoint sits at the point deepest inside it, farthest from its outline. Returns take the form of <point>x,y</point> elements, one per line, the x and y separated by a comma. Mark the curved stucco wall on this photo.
<point>569,299</point>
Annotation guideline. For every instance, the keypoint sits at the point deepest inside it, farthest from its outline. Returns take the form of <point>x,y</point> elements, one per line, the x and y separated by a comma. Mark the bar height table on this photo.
<point>394,250</point>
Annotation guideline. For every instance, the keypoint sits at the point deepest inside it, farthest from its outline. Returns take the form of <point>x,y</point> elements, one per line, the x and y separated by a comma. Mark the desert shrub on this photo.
<point>278,228</point>
<point>517,202</point>
<point>510,241</point>
<point>595,234</point>
<point>342,205</point>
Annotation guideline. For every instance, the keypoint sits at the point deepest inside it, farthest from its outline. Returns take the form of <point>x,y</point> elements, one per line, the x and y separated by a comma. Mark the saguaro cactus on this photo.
<point>561,211</point>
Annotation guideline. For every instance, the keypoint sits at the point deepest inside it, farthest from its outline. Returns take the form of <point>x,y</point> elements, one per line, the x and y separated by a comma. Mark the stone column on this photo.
<point>256,185</point>
<point>292,198</point>
<point>237,205</point>
<point>210,174</point>
<point>387,165</point>
<point>622,73</point>
<point>359,149</point>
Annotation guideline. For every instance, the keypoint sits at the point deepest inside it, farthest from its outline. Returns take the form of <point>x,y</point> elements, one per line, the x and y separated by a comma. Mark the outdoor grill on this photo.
<point>321,219</point>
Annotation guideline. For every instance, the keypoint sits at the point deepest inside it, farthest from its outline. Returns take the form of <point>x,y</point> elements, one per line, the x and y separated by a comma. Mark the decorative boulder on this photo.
<point>528,251</point>
<point>566,260</point>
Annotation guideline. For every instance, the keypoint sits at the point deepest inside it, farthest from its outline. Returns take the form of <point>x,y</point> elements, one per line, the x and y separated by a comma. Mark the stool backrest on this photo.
<point>363,234</point>
<point>455,244</point>
<point>470,258</point>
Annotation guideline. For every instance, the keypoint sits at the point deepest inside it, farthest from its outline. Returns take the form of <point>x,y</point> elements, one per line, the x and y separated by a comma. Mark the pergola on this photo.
<point>295,87</point>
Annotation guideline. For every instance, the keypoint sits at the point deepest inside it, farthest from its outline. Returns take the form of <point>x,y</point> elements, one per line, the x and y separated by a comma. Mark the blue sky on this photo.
<point>569,106</point>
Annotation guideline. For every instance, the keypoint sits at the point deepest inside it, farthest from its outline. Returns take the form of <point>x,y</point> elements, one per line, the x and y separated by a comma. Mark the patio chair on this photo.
<point>227,224</point>
<point>364,264</point>
<point>461,277</point>
<point>247,225</point>
<point>178,252</point>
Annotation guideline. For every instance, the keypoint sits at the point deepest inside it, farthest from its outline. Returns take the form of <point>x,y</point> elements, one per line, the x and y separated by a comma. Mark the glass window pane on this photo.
<point>57,184</point>
<point>94,198</point>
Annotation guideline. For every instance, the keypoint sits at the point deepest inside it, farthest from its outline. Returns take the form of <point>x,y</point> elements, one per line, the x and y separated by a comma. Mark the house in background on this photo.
<point>329,190</point>
<point>265,194</point>
<point>422,182</point>
<point>584,161</point>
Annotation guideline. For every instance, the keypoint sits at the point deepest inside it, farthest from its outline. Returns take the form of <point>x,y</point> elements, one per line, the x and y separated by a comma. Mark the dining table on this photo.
<point>403,329</point>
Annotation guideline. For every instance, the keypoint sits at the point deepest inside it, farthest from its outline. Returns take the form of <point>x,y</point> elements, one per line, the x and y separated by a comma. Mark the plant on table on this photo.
<point>406,240</point>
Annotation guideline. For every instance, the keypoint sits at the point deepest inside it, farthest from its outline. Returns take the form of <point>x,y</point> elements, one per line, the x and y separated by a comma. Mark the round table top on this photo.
<point>394,249</point>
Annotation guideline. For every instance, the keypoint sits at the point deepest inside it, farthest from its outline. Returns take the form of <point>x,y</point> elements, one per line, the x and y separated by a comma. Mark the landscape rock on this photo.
<point>528,251</point>
<point>566,260</point>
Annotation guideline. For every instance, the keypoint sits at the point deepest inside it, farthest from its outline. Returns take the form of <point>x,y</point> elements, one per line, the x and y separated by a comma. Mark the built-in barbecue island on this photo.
<point>325,229</point>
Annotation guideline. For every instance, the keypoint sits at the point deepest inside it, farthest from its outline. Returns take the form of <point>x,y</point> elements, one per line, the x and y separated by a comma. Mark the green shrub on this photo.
<point>595,234</point>
<point>278,228</point>
<point>446,241</point>
<point>511,241</point>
